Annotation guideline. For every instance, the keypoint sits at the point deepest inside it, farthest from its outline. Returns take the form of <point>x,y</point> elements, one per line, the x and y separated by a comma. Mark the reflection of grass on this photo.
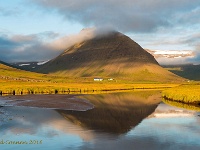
<point>146,93</point>
<point>185,93</point>
<point>182,105</point>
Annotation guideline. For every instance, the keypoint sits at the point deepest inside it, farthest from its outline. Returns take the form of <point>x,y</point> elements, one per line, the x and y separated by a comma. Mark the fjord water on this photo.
<point>119,121</point>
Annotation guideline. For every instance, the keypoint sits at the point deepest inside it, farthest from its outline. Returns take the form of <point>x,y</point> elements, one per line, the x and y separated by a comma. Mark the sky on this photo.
<point>36,30</point>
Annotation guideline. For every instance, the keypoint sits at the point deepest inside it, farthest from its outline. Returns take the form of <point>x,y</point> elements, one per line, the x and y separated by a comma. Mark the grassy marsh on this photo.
<point>16,82</point>
<point>188,93</point>
<point>72,87</point>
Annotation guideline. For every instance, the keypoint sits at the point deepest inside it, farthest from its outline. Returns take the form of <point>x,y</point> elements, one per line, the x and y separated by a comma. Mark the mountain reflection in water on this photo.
<point>115,113</point>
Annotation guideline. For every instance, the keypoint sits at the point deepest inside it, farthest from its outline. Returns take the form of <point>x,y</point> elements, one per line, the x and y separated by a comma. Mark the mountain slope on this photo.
<point>6,64</point>
<point>113,55</point>
<point>188,71</point>
<point>8,73</point>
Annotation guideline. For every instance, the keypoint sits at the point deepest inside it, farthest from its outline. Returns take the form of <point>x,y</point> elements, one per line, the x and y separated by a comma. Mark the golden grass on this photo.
<point>189,93</point>
<point>15,81</point>
<point>48,87</point>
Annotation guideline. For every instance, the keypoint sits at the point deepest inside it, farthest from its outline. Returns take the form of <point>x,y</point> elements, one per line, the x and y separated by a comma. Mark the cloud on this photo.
<point>172,61</point>
<point>37,47</point>
<point>47,45</point>
<point>164,24</point>
<point>67,41</point>
<point>180,60</point>
<point>194,40</point>
<point>196,59</point>
<point>9,12</point>
<point>126,15</point>
<point>189,17</point>
<point>4,41</point>
<point>25,47</point>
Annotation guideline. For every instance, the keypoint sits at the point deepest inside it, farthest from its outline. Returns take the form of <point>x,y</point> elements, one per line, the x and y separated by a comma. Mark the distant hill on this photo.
<point>113,55</point>
<point>7,64</point>
<point>188,71</point>
<point>9,73</point>
<point>28,66</point>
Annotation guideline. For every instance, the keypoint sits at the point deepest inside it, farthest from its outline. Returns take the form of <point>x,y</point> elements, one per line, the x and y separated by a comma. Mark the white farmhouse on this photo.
<point>98,79</point>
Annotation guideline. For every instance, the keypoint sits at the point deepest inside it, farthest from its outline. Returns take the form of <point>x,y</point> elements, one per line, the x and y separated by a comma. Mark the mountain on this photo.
<point>115,113</point>
<point>113,55</point>
<point>9,73</point>
<point>28,66</point>
<point>6,64</point>
<point>188,71</point>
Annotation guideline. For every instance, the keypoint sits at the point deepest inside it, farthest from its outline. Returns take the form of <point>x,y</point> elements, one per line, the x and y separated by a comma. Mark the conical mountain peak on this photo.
<point>110,54</point>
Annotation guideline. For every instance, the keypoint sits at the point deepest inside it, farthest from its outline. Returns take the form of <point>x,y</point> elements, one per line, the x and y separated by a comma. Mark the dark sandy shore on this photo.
<point>64,102</point>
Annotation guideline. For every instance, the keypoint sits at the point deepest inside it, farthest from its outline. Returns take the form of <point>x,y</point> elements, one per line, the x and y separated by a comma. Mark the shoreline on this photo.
<point>194,103</point>
<point>50,101</point>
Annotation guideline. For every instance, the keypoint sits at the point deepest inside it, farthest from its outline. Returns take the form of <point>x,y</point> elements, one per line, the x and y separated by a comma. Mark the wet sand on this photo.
<point>64,102</point>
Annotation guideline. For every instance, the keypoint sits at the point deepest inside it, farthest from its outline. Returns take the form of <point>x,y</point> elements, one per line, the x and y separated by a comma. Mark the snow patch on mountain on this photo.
<point>24,64</point>
<point>42,63</point>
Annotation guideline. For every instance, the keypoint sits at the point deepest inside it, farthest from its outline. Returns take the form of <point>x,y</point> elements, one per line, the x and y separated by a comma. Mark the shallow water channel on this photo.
<point>119,121</point>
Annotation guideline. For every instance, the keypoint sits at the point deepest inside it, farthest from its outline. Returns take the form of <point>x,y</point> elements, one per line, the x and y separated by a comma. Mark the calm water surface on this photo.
<point>120,121</point>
